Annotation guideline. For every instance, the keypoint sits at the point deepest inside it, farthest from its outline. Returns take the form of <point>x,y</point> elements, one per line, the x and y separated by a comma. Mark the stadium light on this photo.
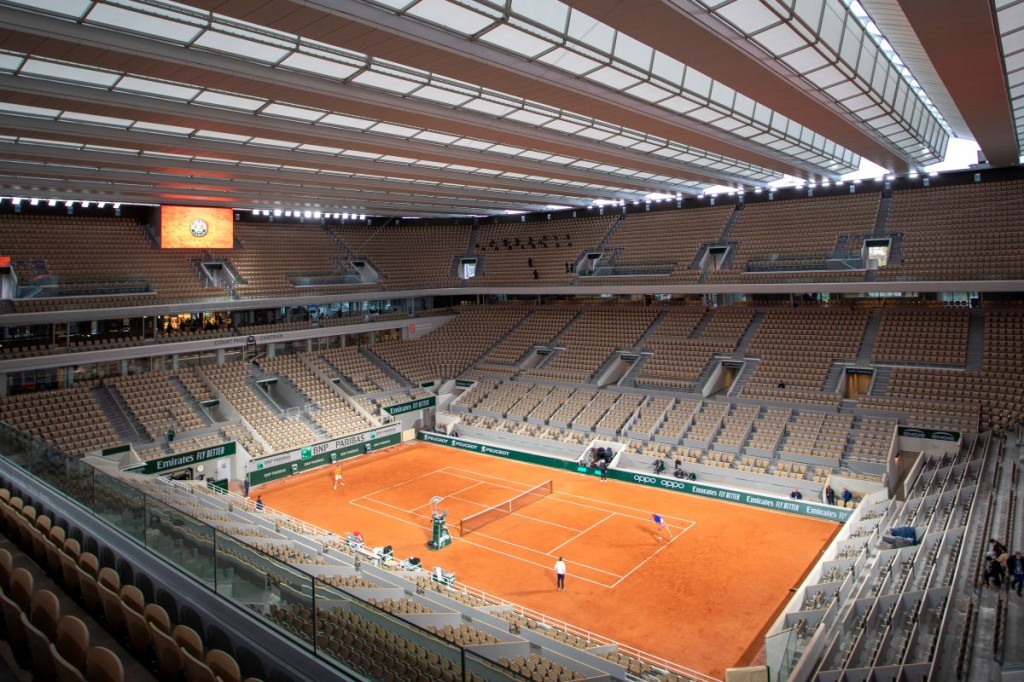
<point>17,200</point>
<point>344,216</point>
<point>33,202</point>
<point>86,204</point>
<point>317,214</point>
<point>277,212</point>
<point>362,216</point>
<point>52,202</point>
<point>101,204</point>
<point>116,206</point>
<point>307,214</point>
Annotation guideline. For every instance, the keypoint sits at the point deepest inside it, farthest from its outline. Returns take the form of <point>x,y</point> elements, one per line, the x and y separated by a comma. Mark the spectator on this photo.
<point>996,548</point>
<point>536,275</point>
<point>1015,566</point>
<point>659,466</point>
<point>797,495</point>
<point>529,262</point>
<point>847,496</point>
<point>245,486</point>
<point>993,575</point>
<point>259,503</point>
<point>830,495</point>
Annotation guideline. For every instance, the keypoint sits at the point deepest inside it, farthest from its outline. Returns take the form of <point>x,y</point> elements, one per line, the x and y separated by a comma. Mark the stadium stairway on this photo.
<point>628,379</point>
<point>190,400</point>
<point>882,218</point>
<point>880,384</point>
<point>867,342</point>
<point>976,340</point>
<point>836,372</point>
<point>125,426</point>
<point>730,223</point>
<point>749,367</point>
<point>1013,654</point>
<point>748,334</point>
<point>611,233</point>
<point>501,339</point>
<point>568,325</point>
<point>384,367</point>
<point>651,329</point>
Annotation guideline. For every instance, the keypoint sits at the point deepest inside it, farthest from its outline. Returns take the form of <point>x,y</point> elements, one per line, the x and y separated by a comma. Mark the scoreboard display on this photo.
<point>196,227</point>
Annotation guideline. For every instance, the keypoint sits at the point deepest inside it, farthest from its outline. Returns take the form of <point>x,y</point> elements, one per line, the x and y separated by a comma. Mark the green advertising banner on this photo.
<point>116,450</point>
<point>187,459</point>
<point>790,506</point>
<point>464,383</point>
<point>281,466</point>
<point>411,406</point>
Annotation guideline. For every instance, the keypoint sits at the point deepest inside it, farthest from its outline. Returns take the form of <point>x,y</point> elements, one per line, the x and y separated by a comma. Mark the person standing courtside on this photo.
<point>560,574</point>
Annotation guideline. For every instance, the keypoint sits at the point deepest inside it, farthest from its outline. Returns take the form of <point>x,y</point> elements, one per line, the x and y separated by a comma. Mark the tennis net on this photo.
<point>477,521</point>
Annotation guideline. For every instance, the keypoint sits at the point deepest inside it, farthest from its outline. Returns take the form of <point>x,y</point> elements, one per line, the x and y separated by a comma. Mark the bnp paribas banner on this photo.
<point>286,464</point>
<point>789,506</point>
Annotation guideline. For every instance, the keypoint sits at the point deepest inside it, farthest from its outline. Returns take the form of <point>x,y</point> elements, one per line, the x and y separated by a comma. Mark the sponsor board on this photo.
<point>187,459</point>
<point>324,447</point>
<point>930,434</point>
<point>290,463</point>
<point>411,406</point>
<point>790,506</point>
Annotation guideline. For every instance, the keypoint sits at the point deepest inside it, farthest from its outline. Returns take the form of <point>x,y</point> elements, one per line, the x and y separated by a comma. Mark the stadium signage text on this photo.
<point>325,447</point>
<point>241,340</point>
<point>187,459</point>
<point>930,434</point>
<point>411,406</point>
<point>820,511</point>
<point>298,461</point>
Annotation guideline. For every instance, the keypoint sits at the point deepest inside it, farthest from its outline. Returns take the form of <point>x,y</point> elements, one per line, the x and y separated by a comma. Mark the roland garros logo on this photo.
<point>199,228</point>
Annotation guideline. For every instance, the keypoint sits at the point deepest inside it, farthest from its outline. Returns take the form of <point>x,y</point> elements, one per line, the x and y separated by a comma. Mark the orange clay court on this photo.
<point>702,598</point>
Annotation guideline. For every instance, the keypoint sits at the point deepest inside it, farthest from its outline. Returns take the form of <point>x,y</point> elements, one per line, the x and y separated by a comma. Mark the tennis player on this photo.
<point>662,526</point>
<point>338,481</point>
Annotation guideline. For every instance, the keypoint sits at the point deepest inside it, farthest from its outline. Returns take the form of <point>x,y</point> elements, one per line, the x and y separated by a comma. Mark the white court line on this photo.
<point>656,552</point>
<point>533,551</point>
<point>643,515</point>
<point>516,557</point>
<point>400,483</point>
<point>579,534</point>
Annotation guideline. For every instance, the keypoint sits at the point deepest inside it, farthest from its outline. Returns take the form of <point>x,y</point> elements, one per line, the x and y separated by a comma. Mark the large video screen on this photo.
<point>196,227</point>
